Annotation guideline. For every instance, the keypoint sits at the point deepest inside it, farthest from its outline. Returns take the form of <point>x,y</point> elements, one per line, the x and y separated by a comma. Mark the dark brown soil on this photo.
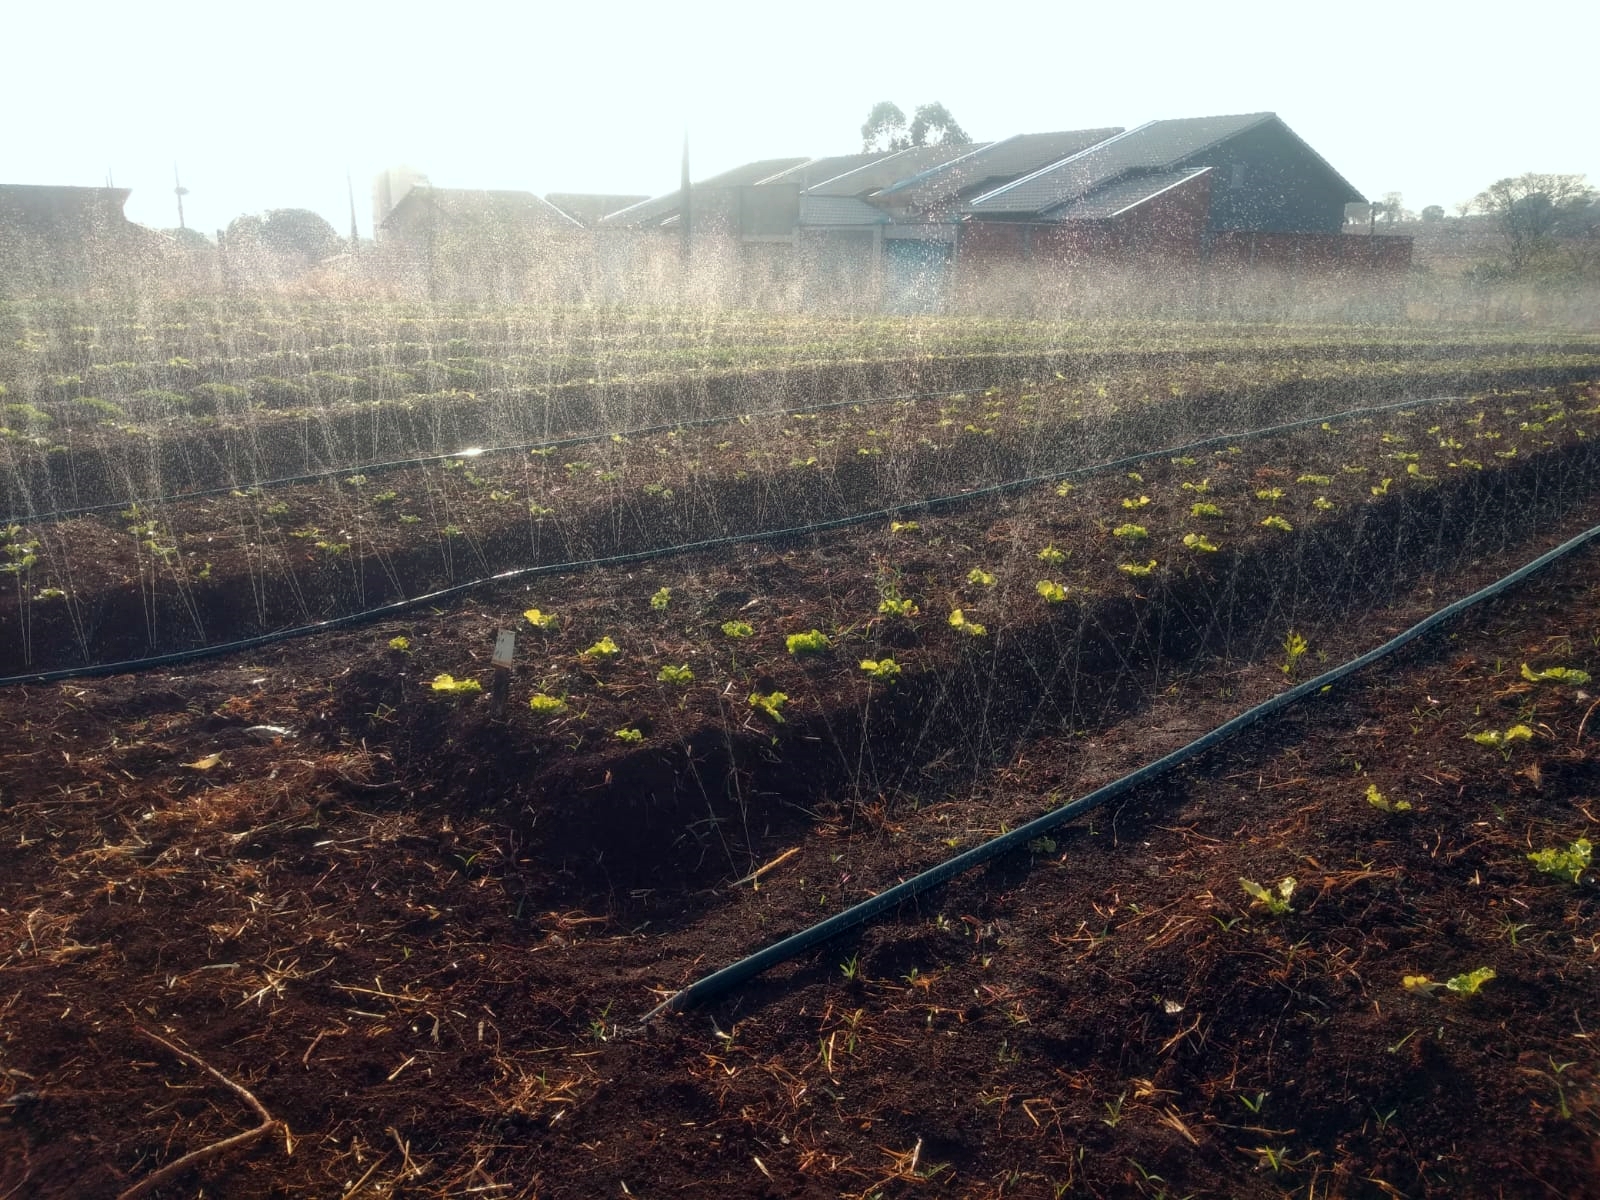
<point>422,936</point>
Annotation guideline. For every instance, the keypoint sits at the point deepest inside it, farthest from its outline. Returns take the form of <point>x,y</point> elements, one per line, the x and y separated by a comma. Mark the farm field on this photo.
<point>803,607</point>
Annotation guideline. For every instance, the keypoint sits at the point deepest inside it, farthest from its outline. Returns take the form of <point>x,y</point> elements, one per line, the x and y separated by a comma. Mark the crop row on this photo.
<point>210,571</point>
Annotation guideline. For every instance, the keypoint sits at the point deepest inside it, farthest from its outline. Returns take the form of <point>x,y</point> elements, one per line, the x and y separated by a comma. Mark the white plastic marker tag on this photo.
<point>505,647</point>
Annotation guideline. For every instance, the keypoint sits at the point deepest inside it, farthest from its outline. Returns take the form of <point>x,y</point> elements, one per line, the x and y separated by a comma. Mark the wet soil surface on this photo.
<point>421,935</point>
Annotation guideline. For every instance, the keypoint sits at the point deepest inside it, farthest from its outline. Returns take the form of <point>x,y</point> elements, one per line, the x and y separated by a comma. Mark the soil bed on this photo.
<point>419,936</point>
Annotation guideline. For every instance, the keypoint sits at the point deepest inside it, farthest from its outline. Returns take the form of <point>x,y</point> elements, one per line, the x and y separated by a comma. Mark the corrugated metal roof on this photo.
<point>473,204</point>
<point>822,211</point>
<point>656,210</point>
<point>1157,145</point>
<point>817,170</point>
<point>1122,195</point>
<point>997,162</point>
<point>889,170</point>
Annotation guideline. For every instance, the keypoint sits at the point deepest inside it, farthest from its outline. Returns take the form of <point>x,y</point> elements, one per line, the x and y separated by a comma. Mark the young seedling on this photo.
<point>1383,804</point>
<point>1203,509</point>
<point>629,735</point>
<point>1199,543</point>
<point>1053,593</point>
<point>661,599</point>
<point>1065,489</point>
<point>811,642</point>
<point>883,669</point>
<point>1275,902</point>
<point>1323,504</point>
<point>542,620</point>
<point>1138,570</point>
<point>772,704</point>
<point>1502,739</point>
<point>958,620</point>
<point>1318,480</point>
<point>1051,556</point>
<point>1555,675</point>
<point>1382,489</point>
<point>737,629</point>
<point>682,676</point>
<point>980,578</point>
<point>449,683</point>
<point>1461,985</point>
<point>547,706</point>
<point>1272,495</point>
<point>603,649</point>
<point>1568,864</point>
<point>904,527</point>
<point>1131,533</point>
<point>1294,649</point>
<point>1278,523</point>
<point>400,645</point>
<point>1135,502</point>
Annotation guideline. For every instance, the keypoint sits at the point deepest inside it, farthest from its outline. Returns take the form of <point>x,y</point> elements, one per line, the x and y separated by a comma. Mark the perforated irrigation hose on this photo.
<point>395,608</point>
<point>720,982</point>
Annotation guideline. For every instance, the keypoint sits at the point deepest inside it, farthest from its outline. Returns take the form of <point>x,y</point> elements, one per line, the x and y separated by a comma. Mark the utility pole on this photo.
<point>355,236</point>
<point>685,202</point>
<point>180,192</point>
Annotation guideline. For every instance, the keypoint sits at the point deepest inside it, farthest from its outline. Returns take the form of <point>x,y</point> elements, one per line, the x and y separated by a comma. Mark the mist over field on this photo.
<point>706,602</point>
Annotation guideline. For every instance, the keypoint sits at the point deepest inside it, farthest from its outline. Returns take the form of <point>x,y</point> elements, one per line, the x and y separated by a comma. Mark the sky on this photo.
<point>274,105</point>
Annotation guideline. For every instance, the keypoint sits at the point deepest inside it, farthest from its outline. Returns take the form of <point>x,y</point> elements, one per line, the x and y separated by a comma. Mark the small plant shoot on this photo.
<point>1568,864</point>
<point>1275,901</point>
<point>813,641</point>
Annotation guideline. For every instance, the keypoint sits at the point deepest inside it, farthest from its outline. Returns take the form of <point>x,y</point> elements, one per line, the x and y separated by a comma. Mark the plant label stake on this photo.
<point>505,648</point>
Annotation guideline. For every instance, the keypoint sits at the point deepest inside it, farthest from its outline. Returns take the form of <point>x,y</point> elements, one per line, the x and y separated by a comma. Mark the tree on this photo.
<point>937,117</point>
<point>1532,209</point>
<point>299,233</point>
<point>1433,214</point>
<point>886,128</point>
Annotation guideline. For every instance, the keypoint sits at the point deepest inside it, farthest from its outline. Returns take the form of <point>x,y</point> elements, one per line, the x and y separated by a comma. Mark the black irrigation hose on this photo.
<point>395,464</point>
<point>711,986</point>
<point>396,607</point>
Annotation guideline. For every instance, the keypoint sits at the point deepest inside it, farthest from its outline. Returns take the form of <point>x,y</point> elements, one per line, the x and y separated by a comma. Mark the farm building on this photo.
<point>1192,194</point>
<point>459,240</point>
<point>71,236</point>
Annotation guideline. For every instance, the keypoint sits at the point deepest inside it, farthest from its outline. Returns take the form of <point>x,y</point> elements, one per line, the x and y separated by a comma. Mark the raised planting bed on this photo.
<point>346,912</point>
<point>125,585</point>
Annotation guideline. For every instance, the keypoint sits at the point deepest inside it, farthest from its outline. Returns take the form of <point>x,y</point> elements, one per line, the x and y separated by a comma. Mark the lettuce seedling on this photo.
<point>811,642</point>
<point>1052,556</point>
<point>547,706</point>
<point>737,629</point>
<point>629,735</point>
<point>958,620</point>
<point>1053,593</point>
<point>448,683</point>
<point>1139,570</point>
<point>1199,543</point>
<point>541,620</point>
<point>1555,675</point>
<point>885,669</point>
<point>1319,480</point>
<point>1502,739</point>
<point>604,648</point>
<point>1276,903</point>
<point>1140,502</point>
<point>1204,510</point>
<point>1383,804</point>
<point>771,704</point>
<point>1568,864</point>
<point>679,675</point>
<point>1462,985</point>
<point>661,599</point>
<point>1065,489</point>
<point>980,577</point>
<point>1131,533</point>
<point>904,527</point>
<point>1278,523</point>
<point>1273,494</point>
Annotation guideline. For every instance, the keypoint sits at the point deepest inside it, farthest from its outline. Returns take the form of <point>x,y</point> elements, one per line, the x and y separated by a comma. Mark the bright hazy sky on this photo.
<point>268,105</point>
